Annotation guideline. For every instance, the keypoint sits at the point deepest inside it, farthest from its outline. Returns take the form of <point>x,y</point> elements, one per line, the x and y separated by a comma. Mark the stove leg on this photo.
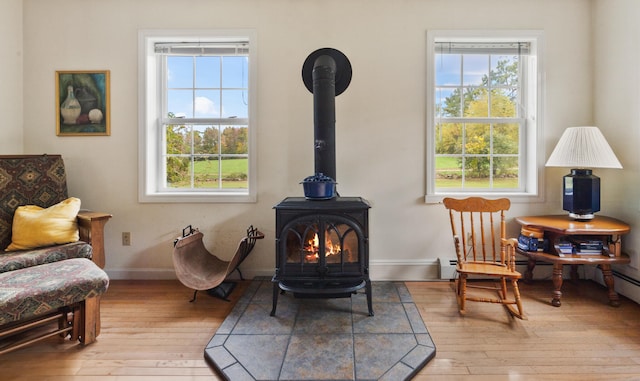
<point>369,297</point>
<point>276,289</point>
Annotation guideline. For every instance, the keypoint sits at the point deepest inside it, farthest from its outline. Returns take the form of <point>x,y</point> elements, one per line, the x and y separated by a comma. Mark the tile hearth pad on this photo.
<point>321,339</point>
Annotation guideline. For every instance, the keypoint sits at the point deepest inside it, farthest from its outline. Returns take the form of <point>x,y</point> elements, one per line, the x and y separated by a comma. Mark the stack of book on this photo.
<point>580,246</point>
<point>564,248</point>
<point>532,239</point>
<point>588,246</point>
<point>529,243</point>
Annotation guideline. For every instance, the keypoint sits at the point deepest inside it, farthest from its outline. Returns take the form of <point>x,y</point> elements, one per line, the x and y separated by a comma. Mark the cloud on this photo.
<point>204,107</point>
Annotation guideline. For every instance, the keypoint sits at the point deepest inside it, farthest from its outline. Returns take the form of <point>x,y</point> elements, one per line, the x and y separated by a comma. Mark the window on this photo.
<point>197,123</point>
<point>484,110</point>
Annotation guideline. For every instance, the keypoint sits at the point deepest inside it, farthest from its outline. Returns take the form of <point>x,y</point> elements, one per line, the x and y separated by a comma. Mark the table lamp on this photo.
<point>582,148</point>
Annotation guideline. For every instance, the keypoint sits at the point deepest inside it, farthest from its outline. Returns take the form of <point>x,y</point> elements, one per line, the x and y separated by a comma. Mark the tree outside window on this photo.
<point>479,119</point>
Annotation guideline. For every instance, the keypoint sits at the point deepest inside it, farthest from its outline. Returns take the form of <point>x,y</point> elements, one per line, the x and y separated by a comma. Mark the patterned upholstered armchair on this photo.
<point>41,180</point>
<point>55,281</point>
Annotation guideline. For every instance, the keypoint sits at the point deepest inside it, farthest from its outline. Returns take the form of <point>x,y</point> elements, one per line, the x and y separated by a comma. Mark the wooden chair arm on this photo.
<point>91,228</point>
<point>509,248</point>
<point>459,254</point>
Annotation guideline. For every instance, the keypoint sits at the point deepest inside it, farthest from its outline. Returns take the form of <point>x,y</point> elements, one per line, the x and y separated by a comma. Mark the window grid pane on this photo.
<point>477,121</point>
<point>201,157</point>
<point>206,124</point>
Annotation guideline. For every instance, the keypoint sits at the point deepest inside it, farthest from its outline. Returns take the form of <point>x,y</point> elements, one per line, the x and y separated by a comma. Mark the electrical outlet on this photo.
<point>126,239</point>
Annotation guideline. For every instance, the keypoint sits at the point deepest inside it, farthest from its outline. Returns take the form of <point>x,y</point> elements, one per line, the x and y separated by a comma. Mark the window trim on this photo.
<point>149,135</point>
<point>533,153</point>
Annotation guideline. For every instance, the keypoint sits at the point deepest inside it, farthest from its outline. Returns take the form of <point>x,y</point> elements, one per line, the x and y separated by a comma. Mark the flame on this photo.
<point>313,247</point>
<point>329,247</point>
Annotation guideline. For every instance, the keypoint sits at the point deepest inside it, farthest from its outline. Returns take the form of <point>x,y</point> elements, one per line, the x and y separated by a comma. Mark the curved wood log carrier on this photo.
<point>199,269</point>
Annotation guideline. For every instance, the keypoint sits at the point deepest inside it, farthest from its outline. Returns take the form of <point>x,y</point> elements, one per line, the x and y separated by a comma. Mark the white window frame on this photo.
<point>150,137</point>
<point>532,153</point>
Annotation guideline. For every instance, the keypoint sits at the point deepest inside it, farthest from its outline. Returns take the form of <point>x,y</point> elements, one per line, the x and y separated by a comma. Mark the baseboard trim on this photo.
<point>626,278</point>
<point>169,274</point>
<point>141,274</point>
<point>404,270</point>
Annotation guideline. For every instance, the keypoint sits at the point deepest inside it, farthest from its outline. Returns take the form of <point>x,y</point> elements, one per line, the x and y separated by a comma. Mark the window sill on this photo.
<point>519,197</point>
<point>196,197</point>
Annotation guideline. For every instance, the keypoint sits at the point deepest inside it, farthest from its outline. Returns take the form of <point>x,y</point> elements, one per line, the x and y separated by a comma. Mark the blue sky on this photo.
<point>475,66</point>
<point>208,94</point>
<point>448,71</point>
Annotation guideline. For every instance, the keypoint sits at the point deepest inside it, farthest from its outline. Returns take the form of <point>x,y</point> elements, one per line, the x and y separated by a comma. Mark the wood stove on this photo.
<point>322,248</point>
<point>322,241</point>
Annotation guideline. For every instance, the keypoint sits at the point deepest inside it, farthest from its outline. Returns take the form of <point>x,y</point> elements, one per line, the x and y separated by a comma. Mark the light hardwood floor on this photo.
<point>151,332</point>
<point>584,339</point>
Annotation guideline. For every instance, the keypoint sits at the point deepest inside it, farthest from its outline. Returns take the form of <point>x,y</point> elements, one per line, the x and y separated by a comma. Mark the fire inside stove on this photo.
<point>336,244</point>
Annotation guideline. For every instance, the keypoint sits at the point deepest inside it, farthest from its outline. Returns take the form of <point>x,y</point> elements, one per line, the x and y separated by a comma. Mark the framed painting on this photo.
<point>82,103</point>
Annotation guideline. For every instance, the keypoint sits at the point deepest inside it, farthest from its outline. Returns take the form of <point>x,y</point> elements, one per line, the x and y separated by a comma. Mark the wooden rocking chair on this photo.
<point>200,270</point>
<point>479,230</point>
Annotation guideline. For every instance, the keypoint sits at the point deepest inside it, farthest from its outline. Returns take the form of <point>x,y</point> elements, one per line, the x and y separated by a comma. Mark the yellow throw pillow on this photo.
<point>34,226</point>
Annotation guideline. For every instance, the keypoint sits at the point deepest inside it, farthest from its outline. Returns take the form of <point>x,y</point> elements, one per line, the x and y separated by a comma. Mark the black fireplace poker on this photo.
<point>326,73</point>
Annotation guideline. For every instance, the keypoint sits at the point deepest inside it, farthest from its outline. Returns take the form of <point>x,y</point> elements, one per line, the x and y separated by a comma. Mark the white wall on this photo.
<point>11,76</point>
<point>617,111</point>
<point>380,118</point>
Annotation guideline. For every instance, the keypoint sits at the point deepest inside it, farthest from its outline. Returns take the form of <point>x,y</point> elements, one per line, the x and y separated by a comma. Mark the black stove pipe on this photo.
<point>324,115</point>
<point>326,73</point>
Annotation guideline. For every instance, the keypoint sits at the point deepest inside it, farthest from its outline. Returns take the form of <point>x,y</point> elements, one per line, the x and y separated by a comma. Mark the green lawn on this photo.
<point>508,183</point>
<point>449,165</point>
<point>446,163</point>
<point>234,174</point>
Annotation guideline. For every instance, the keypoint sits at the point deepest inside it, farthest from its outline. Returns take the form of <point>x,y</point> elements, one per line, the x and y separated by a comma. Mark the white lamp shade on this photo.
<point>583,147</point>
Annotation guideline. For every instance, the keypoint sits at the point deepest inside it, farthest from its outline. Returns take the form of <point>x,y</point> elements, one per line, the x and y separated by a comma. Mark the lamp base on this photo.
<point>581,194</point>
<point>582,217</point>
